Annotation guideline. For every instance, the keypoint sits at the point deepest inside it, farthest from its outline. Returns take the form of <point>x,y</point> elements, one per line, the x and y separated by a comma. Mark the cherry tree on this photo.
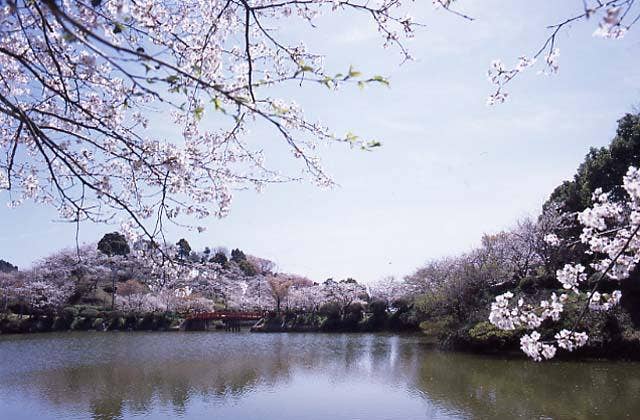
<point>46,295</point>
<point>610,230</point>
<point>615,18</point>
<point>279,287</point>
<point>131,295</point>
<point>307,297</point>
<point>344,293</point>
<point>388,290</point>
<point>9,288</point>
<point>34,291</point>
<point>80,79</point>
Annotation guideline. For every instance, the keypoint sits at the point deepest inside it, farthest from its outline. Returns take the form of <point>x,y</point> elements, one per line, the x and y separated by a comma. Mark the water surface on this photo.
<point>294,376</point>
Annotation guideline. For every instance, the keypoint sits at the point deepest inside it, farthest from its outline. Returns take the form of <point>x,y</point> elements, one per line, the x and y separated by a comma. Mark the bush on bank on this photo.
<point>87,318</point>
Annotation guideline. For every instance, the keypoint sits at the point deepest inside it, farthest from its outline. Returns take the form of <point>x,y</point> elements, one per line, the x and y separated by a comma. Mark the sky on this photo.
<point>450,168</point>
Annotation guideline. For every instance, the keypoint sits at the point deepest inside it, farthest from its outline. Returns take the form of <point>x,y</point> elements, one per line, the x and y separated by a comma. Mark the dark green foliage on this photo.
<point>70,312</point>
<point>89,313</point>
<point>98,324</point>
<point>60,323</point>
<point>206,254</point>
<point>401,304</point>
<point>146,322</point>
<point>602,168</point>
<point>247,268</point>
<point>438,330</point>
<point>378,308</point>
<point>18,325</point>
<point>352,317</point>
<point>404,319</point>
<point>81,324</point>
<point>7,267</point>
<point>237,255</point>
<point>220,258</point>
<point>330,310</point>
<point>488,337</point>
<point>117,324</point>
<point>527,284</point>
<point>184,249</point>
<point>114,244</point>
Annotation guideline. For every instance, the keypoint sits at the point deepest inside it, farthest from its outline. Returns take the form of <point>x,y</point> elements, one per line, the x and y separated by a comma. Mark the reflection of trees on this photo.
<point>112,375</point>
<point>116,374</point>
<point>495,388</point>
<point>107,388</point>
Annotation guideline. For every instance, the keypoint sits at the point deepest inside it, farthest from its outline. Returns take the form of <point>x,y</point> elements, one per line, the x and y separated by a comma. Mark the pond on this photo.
<point>294,376</point>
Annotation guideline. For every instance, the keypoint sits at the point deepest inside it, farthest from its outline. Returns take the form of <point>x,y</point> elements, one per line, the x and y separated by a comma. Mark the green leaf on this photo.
<point>68,36</point>
<point>328,82</point>
<point>198,113</point>
<point>351,137</point>
<point>218,105</point>
<point>380,79</point>
<point>354,73</point>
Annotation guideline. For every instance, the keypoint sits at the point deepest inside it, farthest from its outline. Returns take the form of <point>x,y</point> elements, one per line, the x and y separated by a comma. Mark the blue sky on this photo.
<point>450,168</point>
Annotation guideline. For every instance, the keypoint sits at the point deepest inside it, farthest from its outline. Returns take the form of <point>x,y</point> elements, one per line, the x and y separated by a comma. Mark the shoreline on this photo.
<point>625,351</point>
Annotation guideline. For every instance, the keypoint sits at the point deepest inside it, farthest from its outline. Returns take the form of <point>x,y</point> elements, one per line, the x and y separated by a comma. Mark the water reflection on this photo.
<point>292,376</point>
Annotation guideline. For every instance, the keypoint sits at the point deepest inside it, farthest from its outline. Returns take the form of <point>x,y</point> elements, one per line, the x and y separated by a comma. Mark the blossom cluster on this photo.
<point>611,26</point>
<point>523,315</point>
<point>610,230</point>
<point>571,276</point>
<point>81,82</point>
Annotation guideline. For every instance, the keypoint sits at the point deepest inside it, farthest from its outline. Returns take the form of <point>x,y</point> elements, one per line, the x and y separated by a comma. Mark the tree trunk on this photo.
<point>113,289</point>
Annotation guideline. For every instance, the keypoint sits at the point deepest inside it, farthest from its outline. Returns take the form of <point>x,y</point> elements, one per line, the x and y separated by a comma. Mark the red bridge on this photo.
<point>227,316</point>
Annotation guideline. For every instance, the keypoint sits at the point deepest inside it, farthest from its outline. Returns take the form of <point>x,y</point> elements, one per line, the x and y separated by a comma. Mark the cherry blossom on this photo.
<point>610,230</point>
<point>617,17</point>
<point>81,80</point>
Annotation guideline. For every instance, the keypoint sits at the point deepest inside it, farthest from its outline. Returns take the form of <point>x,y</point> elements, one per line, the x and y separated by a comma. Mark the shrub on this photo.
<point>70,312</point>
<point>117,323</point>
<point>89,313</point>
<point>10,326</point>
<point>247,268</point>
<point>438,330</point>
<point>98,324</point>
<point>146,322</point>
<point>43,324</point>
<point>378,308</point>
<point>488,335</point>
<point>330,310</point>
<point>80,324</point>
<point>527,284</point>
<point>60,323</point>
